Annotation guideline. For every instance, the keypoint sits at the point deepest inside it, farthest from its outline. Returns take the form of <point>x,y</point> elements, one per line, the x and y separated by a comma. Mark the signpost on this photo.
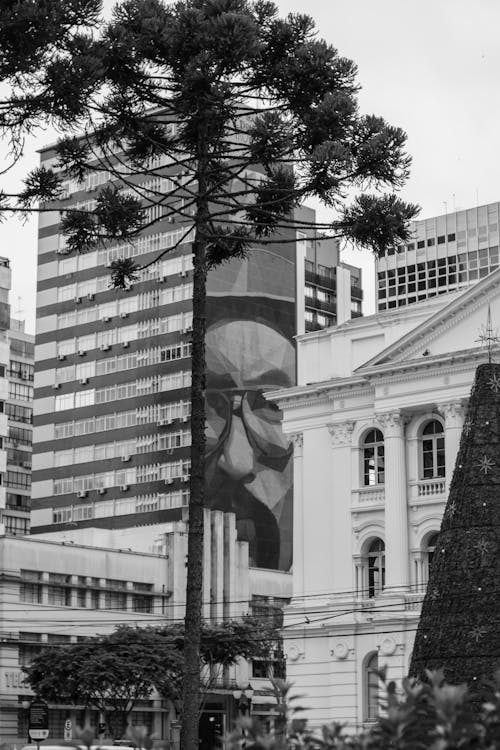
<point>68,730</point>
<point>38,724</point>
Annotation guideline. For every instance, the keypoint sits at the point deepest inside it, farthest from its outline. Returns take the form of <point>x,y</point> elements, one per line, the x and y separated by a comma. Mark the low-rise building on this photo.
<point>376,422</point>
<point>59,588</point>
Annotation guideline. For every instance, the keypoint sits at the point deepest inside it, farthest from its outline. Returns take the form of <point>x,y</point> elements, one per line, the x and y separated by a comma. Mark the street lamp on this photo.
<point>243,698</point>
<point>25,704</point>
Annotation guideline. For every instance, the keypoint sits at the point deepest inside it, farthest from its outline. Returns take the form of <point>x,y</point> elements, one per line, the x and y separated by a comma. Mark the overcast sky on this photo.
<point>430,67</point>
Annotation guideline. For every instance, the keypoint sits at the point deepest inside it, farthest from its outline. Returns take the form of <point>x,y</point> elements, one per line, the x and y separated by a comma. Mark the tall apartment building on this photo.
<point>113,374</point>
<point>19,411</point>
<point>446,253</point>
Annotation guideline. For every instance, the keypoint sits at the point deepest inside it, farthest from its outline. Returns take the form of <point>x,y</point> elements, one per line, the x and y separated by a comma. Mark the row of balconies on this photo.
<point>418,492</point>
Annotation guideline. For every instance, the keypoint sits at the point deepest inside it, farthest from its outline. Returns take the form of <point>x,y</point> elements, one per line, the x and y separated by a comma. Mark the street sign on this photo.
<point>68,730</point>
<point>38,726</point>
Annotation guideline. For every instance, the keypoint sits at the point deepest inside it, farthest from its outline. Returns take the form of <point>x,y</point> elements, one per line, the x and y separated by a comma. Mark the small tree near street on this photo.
<point>112,672</point>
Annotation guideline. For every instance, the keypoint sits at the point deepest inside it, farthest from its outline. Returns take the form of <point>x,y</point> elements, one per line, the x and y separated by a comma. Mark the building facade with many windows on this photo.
<point>113,375</point>
<point>19,409</point>
<point>376,422</point>
<point>446,254</point>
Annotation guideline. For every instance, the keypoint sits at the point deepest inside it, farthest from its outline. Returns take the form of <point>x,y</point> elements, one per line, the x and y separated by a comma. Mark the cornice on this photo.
<point>421,368</point>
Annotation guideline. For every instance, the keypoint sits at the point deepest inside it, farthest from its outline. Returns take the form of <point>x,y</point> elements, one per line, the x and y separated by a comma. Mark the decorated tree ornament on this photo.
<point>485,464</point>
<point>458,629</point>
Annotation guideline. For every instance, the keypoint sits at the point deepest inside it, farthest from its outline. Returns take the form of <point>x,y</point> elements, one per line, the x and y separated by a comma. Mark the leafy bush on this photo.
<point>431,715</point>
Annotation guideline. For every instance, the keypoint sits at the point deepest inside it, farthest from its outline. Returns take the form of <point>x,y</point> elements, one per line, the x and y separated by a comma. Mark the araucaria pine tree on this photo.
<point>219,117</point>
<point>459,628</point>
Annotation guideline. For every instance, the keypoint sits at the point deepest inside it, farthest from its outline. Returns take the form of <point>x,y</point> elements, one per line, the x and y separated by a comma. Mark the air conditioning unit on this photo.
<point>169,481</point>
<point>26,465</point>
<point>61,357</point>
<point>185,478</point>
<point>170,452</point>
<point>125,459</point>
<point>189,329</point>
<point>161,422</point>
<point>105,347</point>
<point>128,288</point>
<point>78,300</point>
<point>101,490</point>
<point>124,487</point>
<point>185,419</point>
<point>81,352</point>
<point>124,315</point>
<point>84,381</point>
<point>106,319</point>
<point>164,278</point>
<point>183,274</point>
<point>125,344</point>
<point>82,493</point>
<point>56,386</point>
<point>109,264</point>
<point>90,296</point>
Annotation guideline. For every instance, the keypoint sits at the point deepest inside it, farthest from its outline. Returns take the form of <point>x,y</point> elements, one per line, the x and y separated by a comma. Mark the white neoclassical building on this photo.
<point>376,421</point>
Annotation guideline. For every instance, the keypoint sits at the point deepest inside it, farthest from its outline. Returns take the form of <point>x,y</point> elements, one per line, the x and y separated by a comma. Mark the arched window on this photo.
<point>429,549</point>
<point>433,464</point>
<point>376,567</point>
<point>373,458</point>
<point>371,688</point>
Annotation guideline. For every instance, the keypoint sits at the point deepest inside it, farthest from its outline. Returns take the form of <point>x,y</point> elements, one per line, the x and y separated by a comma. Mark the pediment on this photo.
<point>456,327</point>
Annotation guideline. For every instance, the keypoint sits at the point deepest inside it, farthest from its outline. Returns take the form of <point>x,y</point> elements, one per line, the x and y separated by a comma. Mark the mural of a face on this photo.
<point>249,466</point>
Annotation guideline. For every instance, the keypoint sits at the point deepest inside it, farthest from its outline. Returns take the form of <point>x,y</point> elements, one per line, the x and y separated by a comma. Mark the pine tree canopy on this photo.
<point>459,625</point>
<point>253,108</point>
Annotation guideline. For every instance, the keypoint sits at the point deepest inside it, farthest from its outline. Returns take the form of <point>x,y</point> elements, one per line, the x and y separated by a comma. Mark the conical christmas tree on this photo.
<point>459,627</point>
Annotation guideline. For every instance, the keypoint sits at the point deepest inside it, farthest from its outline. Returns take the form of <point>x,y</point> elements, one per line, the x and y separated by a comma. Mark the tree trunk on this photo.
<point>194,588</point>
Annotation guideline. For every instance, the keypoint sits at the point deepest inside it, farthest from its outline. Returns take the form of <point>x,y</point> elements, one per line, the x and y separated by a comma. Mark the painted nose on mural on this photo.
<point>237,458</point>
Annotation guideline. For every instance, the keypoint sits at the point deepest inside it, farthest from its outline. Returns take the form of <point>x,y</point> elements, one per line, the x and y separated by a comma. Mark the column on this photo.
<point>453,413</point>
<point>339,518</point>
<point>298,514</point>
<point>396,505</point>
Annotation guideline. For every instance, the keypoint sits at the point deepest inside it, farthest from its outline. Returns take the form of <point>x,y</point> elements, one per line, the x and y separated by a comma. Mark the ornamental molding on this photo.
<point>452,410</point>
<point>448,317</point>
<point>411,370</point>
<point>341,433</point>
<point>394,420</point>
<point>297,439</point>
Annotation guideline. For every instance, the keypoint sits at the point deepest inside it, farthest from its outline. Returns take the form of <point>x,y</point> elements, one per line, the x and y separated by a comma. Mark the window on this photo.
<point>30,589</point>
<point>59,593</point>
<point>65,401</point>
<point>373,458</point>
<point>371,687</point>
<point>17,479</point>
<point>428,550</point>
<point>16,526</point>
<point>20,436</point>
<point>20,392</point>
<point>115,600</point>
<point>21,370</point>
<point>376,568</point>
<point>433,462</point>
<point>84,398</point>
<point>30,645</point>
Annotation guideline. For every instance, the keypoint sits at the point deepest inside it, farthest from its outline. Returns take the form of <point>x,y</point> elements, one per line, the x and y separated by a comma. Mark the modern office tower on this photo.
<point>113,375</point>
<point>19,410</point>
<point>446,253</point>
<point>5,284</point>
<point>333,292</point>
